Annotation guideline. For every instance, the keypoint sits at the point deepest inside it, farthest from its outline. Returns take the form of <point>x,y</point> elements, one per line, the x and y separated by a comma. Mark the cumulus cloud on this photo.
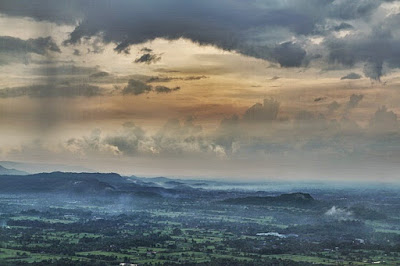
<point>384,120</point>
<point>307,133</point>
<point>127,141</point>
<point>173,139</point>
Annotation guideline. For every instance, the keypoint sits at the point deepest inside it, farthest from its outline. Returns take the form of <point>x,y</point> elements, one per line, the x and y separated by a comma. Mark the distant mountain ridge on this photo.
<point>87,184</point>
<point>7,171</point>
<point>112,184</point>
<point>35,168</point>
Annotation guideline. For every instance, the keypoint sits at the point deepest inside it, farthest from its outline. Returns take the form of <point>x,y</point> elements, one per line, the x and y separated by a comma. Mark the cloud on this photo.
<point>127,141</point>
<point>373,70</point>
<point>77,52</point>
<point>163,89</point>
<point>288,54</point>
<point>93,145</point>
<point>351,10</point>
<point>307,135</point>
<point>148,57</point>
<point>354,101</point>
<point>137,87</point>
<point>343,26</point>
<point>333,106</point>
<point>374,47</point>
<point>176,139</point>
<point>227,25</point>
<point>278,31</point>
<point>48,91</point>
<point>173,139</point>
<point>15,50</point>
<point>267,111</point>
<point>384,120</point>
<point>167,79</point>
<point>351,76</point>
<point>45,10</point>
<point>318,99</point>
<point>100,74</point>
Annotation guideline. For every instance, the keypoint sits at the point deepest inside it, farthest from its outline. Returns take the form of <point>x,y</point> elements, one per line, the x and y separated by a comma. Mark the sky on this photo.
<point>235,89</point>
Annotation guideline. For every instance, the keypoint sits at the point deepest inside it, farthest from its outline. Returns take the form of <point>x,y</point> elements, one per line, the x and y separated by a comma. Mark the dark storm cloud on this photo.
<point>373,49</point>
<point>351,76</point>
<point>230,25</point>
<point>343,26</point>
<point>47,91</point>
<point>45,10</point>
<point>18,50</point>
<point>348,10</point>
<point>260,29</point>
<point>288,54</point>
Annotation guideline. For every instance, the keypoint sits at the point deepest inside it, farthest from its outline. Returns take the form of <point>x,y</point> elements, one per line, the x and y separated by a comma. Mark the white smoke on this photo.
<point>339,214</point>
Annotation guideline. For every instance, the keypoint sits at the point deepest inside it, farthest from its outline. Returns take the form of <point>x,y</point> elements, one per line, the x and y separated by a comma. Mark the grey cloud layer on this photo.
<point>260,29</point>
